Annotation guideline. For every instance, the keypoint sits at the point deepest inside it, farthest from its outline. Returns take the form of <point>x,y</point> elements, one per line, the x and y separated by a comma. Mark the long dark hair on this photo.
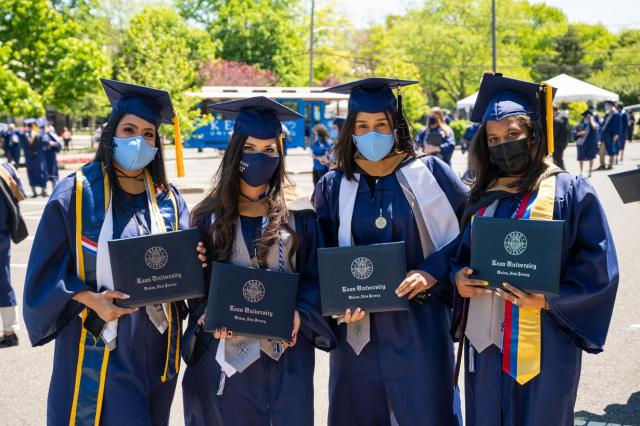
<point>222,201</point>
<point>345,148</point>
<point>105,156</point>
<point>487,172</point>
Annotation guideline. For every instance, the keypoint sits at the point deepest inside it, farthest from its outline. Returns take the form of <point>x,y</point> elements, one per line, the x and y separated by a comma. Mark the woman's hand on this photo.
<point>521,298</point>
<point>102,303</point>
<point>416,282</point>
<point>468,287</point>
<point>222,333</point>
<point>202,251</point>
<point>294,331</point>
<point>357,315</point>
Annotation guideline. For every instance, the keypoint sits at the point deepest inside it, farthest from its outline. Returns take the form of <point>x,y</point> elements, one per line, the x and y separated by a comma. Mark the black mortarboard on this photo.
<point>587,112</point>
<point>371,94</point>
<point>259,117</point>
<point>153,105</point>
<point>501,97</point>
<point>338,121</point>
<point>627,185</point>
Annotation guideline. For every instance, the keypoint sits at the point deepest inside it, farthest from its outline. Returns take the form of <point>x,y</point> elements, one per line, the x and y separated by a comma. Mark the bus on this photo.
<point>311,102</point>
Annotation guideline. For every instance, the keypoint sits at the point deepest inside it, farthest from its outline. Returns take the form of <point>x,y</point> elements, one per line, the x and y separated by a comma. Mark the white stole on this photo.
<point>104,276</point>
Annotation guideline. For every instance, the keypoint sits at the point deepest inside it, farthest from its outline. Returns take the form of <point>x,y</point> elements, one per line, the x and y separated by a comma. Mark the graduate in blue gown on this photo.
<point>586,136</point>
<point>245,220</point>
<point>379,193</point>
<point>12,228</point>
<point>112,365</point>
<point>51,146</point>
<point>624,129</point>
<point>12,138</point>
<point>438,139</point>
<point>34,159</point>
<point>523,350</point>
<point>610,132</point>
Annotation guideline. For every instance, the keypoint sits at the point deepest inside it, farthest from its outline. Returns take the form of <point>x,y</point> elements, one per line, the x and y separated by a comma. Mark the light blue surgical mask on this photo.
<point>334,133</point>
<point>374,146</point>
<point>133,153</point>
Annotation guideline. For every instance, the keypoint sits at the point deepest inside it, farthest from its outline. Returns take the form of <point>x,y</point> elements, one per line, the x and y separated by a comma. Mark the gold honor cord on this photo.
<point>549,112</point>
<point>177,138</point>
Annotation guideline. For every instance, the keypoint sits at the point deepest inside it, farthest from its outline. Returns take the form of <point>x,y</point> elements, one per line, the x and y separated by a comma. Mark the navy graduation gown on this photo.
<point>133,392</point>
<point>7,295</point>
<point>611,128</point>
<point>578,319</point>
<point>35,162</point>
<point>12,145</point>
<point>589,148</point>
<point>268,392</point>
<point>409,361</point>
<point>51,146</point>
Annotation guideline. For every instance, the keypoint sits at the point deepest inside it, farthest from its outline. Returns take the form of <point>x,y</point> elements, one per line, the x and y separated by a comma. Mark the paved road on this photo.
<point>610,385</point>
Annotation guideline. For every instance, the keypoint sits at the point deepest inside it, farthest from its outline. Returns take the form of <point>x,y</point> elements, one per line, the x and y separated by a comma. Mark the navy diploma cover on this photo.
<point>362,276</point>
<point>524,253</point>
<point>252,302</point>
<point>157,268</point>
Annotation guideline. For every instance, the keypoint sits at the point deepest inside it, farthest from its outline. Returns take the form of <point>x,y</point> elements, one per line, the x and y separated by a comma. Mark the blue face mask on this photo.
<point>374,146</point>
<point>333,133</point>
<point>133,153</point>
<point>257,169</point>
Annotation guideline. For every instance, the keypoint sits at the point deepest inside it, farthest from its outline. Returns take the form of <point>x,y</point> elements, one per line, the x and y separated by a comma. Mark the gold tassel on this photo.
<point>549,111</point>
<point>281,141</point>
<point>178,141</point>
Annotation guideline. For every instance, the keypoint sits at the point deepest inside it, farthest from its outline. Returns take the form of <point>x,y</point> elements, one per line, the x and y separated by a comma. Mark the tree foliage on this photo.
<point>161,50</point>
<point>48,54</point>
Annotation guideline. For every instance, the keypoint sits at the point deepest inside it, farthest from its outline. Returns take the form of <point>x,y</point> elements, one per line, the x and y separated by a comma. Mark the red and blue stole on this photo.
<point>522,335</point>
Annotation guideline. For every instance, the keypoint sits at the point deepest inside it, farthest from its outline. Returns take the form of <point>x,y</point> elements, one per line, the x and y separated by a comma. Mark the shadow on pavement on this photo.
<point>624,414</point>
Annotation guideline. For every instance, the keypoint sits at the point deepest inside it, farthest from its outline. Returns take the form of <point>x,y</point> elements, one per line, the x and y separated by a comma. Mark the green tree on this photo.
<point>16,97</point>
<point>569,58</point>
<point>620,71</point>
<point>263,33</point>
<point>49,53</point>
<point>161,50</point>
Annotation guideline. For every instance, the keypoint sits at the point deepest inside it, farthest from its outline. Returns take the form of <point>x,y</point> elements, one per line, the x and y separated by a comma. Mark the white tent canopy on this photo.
<point>569,90</point>
<point>572,90</point>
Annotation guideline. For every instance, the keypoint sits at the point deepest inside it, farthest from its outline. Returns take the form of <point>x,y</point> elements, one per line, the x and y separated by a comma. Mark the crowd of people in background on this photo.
<point>38,141</point>
<point>595,135</point>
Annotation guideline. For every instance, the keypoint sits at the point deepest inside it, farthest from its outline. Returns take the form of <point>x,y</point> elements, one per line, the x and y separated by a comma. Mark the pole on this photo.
<point>493,34</point>
<point>313,4</point>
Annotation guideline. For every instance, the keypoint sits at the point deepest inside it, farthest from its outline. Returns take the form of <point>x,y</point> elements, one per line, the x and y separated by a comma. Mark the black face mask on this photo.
<point>511,157</point>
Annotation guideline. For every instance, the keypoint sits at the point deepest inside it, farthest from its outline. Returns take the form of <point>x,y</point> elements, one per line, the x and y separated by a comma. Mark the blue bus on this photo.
<point>317,107</point>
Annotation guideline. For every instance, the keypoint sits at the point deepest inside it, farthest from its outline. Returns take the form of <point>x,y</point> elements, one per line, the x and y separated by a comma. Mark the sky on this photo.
<point>616,15</point>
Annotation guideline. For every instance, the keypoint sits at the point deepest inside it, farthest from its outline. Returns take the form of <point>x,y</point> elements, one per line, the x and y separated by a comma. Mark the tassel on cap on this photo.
<point>548,92</point>
<point>178,141</point>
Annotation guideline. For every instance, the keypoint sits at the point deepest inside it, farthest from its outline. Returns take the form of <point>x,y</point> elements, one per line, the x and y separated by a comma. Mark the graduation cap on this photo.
<point>627,185</point>
<point>339,121</point>
<point>587,112</point>
<point>41,122</point>
<point>30,121</point>
<point>371,94</point>
<point>259,116</point>
<point>148,103</point>
<point>501,97</point>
